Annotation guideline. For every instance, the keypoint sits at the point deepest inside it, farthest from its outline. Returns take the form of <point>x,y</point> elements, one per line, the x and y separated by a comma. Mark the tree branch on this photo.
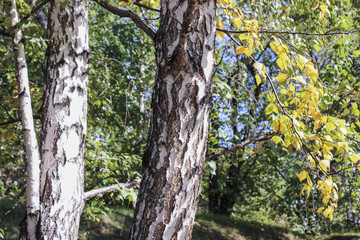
<point>129,14</point>
<point>108,189</point>
<point>335,104</point>
<point>146,7</point>
<point>289,32</point>
<point>33,11</point>
<point>15,121</point>
<point>240,146</point>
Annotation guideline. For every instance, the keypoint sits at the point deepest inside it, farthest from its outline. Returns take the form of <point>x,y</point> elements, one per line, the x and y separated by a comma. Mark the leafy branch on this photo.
<point>328,33</point>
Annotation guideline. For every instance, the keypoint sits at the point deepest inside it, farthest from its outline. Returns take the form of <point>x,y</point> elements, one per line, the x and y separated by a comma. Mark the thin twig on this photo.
<point>146,7</point>
<point>289,32</point>
<point>240,146</point>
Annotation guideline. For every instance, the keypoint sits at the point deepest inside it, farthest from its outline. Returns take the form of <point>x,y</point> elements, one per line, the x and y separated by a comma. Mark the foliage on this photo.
<point>315,115</point>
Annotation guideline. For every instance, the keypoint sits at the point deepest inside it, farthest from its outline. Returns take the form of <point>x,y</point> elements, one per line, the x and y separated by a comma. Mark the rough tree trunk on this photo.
<point>175,153</point>
<point>64,120</point>
<point>30,141</point>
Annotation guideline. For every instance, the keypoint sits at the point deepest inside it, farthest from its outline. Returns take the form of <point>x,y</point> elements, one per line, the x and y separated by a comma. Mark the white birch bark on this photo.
<point>64,120</point>
<point>30,141</point>
<point>175,154</point>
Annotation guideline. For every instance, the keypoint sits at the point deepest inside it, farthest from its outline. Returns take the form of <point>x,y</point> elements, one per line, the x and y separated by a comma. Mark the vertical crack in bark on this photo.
<point>175,154</point>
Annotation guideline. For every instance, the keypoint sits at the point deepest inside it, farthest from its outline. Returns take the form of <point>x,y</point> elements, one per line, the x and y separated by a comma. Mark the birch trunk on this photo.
<point>175,154</point>
<point>64,120</point>
<point>30,141</point>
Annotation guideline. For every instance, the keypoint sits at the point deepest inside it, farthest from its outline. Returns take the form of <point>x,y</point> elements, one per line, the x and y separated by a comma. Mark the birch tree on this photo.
<point>64,120</point>
<point>30,141</point>
<point>175,154</point>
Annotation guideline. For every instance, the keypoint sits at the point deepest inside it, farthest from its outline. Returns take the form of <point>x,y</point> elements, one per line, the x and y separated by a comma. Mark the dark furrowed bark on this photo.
<point>175,154</point>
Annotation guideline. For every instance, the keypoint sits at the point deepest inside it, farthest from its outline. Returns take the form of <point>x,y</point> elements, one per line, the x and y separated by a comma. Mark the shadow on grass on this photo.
<point>117,223</point>
<point>342,237</point>
<point>225,228</point>
<point>114,225</point>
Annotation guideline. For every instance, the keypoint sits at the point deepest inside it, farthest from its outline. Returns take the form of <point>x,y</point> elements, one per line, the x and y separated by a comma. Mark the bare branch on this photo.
<point>240,146</point>
<point>108,189</point>
<point>291,33</point>
<point>129,14</point>
<point>146,7</point>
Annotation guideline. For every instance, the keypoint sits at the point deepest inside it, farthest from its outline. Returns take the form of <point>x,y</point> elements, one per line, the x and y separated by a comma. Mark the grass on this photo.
<point>115,224</point>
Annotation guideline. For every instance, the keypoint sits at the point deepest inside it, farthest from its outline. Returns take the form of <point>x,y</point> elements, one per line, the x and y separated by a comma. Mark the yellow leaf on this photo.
<point>311,71</point>
<point>283,91</point>
<point>346,112</point>
<point>271,108</point>
<point>301,61</point>
<point>325,164</point>
<point>220,35</point>
<point>248,51</point>
<point>240,50</point>
<point>354,157</point>
<point>258,79</point>
<point>276,139</point>
<point>243,37</point>
<point>302,175</point>
<point>357,53</point>
<point>330,126</point>
<point>219,23</point>
<point>320,209</point>
<point>314,137</point>
<point>281,77</point>
<point>342,146</point>
<point>260,68</point>
<point>237,21</point>
<point>300,79</point>
<point>317,5</point>
<point>281,64</point>
<point>307,95</point>
<point>328,211</point>
<point>121,4</point>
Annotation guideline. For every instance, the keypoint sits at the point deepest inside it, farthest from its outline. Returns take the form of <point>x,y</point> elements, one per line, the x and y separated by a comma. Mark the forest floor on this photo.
<point>115,223</point>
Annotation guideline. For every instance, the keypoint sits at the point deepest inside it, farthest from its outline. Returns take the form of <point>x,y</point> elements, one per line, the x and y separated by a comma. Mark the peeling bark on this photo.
<point>30,141</point>
<point>175,154</point>
<point>64,120</point>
